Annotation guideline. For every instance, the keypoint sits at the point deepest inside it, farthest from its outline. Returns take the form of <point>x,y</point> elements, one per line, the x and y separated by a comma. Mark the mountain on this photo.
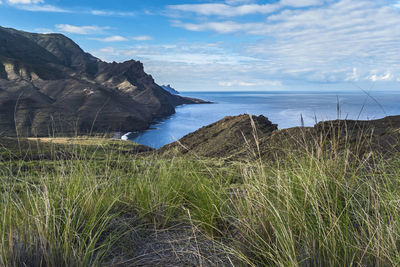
<point>169,89</point>
<point>239,137</point>
<point>49,85</point>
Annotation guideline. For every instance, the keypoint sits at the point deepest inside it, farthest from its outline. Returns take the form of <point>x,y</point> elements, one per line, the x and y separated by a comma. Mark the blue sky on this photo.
<point>232,45</point>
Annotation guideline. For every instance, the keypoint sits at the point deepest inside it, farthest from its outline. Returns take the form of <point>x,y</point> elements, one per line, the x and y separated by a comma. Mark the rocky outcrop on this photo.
<point>49,85</point>
<point>241,138</point>
<point>224,137</point>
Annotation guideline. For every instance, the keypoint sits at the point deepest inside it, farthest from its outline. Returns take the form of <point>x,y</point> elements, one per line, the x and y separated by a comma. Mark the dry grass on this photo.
<point>81,140</point>
<point>326,206</point>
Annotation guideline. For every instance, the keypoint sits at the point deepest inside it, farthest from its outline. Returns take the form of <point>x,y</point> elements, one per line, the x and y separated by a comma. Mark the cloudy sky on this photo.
<point>231,45</point>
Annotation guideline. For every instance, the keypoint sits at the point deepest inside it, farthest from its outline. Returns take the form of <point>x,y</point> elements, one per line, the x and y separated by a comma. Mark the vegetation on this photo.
<point>323,206</point>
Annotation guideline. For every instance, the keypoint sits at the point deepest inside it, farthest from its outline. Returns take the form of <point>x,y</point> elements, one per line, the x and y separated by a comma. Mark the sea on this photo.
<point>287,109</point>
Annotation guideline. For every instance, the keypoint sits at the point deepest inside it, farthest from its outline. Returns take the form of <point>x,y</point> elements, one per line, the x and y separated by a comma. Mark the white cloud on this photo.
<point>94,29</point>
<point>114,38</point>
<point>204,65</point>
<point>291,3</point>
<point>42,8</point>
<point>226,84</point>
<point>353,77</point>
<point>330,46</point>
<point>235,2</point>
<point>220,27</point>
<point>233,8</point>
<point>249,84</point>
<point>35,6</point>
<point>341,41</point>
<point>112,13</point>
<point>142,38</point>
<point>107,50</point>
<point>194,58</point>
<point>24,2</point>
<point>224,9</point>
<point>192,54</point>
<point>384,77</point>
<point>301,3</point>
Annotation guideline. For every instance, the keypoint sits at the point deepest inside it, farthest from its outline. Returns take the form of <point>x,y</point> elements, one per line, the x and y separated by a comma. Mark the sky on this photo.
<point>232,45</point>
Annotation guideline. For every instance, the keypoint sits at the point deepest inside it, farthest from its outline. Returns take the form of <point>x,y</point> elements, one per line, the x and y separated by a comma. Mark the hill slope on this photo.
<point>238,138</point>
<point>224,137</point>
<point>48,84</point>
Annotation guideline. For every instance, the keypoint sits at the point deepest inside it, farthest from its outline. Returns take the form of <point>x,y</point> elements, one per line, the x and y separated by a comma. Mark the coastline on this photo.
<point>282,108</point>
<point>159,119</point>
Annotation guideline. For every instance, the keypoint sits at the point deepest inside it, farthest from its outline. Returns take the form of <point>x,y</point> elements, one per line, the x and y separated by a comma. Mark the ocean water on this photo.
<point>282,108</point>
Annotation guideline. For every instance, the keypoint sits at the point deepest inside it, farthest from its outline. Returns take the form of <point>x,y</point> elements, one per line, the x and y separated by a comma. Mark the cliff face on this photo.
<point>49,85</point>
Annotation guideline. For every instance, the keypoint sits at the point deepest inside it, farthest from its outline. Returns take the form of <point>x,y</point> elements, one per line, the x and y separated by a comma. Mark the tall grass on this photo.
<point>64,212</point>
<point>317,212</point>
<point>334,204</point>
<point>57,221</point>
<point>326,206</point>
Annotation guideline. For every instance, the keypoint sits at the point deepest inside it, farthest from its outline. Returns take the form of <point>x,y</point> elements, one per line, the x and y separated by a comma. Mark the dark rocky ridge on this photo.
<point>49,85</point>
<point>239,138</point>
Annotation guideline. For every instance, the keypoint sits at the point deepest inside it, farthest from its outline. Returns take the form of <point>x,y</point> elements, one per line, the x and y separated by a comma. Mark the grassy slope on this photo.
<point>103,205</point>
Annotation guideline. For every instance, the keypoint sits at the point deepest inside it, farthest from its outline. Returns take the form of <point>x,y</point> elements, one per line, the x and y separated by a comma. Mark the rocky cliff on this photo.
<point>49,85</point>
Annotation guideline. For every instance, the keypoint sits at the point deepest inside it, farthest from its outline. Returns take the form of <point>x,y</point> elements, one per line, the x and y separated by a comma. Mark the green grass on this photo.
<point>305,209</point>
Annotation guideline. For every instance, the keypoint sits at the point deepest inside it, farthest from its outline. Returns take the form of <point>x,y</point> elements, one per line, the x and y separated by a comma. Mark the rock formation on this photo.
<point>224,137</point>
<point>50,86</point>
<point>244,137</point>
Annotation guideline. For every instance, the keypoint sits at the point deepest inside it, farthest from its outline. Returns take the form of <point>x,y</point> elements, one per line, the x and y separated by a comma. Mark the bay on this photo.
<point>282,108</point>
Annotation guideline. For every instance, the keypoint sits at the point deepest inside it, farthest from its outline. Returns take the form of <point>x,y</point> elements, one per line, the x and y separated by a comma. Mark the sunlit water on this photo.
<point>282,108</point>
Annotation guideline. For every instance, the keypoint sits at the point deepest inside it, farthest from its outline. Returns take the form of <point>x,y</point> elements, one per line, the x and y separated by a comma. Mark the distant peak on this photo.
<point>169,89</point>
